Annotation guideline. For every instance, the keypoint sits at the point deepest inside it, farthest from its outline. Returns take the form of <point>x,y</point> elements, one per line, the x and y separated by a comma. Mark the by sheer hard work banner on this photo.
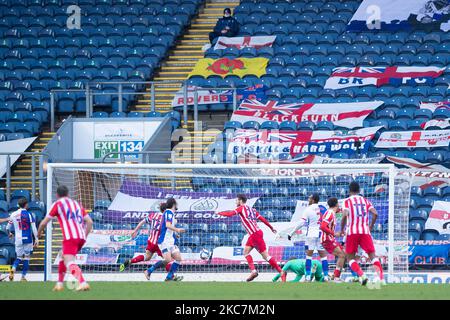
<point>275,142</point>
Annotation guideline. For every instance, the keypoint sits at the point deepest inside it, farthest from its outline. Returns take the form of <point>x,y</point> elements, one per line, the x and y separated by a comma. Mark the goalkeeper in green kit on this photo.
<point>298,267</point>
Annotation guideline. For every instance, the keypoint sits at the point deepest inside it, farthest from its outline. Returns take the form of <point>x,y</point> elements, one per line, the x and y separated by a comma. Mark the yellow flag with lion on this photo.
<point>225,66</point>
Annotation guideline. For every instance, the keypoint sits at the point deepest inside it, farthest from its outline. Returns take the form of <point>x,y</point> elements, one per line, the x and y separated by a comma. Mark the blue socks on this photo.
<point>325,266</point>
<point>308,266</point>
<point>155,266</point>
<point>26,264</point>
<point>173,269</point>
<point>16,263</point>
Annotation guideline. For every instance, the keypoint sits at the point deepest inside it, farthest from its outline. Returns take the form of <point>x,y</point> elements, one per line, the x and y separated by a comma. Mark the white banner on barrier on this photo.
<point>439,218</point>
<point>14,146</point>
<point>414,139</point>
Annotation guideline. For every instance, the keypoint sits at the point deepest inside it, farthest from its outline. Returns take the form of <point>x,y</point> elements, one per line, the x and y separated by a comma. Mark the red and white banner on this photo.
<point>349,115</point>
<point>275,142</point>
<point>424,175</point>
<point>344,77</point>
<point>439,217</point>
<point>414,164</point>
<point>414,139</point>
<point>435,105</point>
<point>256,42</point>
<point>440,123</point>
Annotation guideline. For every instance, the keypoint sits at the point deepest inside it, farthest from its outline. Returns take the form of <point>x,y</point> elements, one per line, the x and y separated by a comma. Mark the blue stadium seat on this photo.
<point>306,126</point>
<point>17,194</point>
<point>413,235</point>
<point>253,125</point>
<point>429,235</point>
<point>268,125</point>
<point>325,125</point>
<point>288,126</point>
<point>416,225</point>
<point>101,205</point>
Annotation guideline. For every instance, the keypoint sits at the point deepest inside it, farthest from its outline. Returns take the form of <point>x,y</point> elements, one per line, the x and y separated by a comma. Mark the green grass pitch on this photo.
<point>223,290</point>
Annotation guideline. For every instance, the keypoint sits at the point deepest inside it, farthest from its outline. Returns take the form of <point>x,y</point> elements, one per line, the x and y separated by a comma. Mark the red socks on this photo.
<point>250,262</point>
<point>61,271</point>
<point>76,272</point>
<point>274,264</point>
<point>337,273</point>
<point>355,267</point>
<point>138,259</point>
<point>168,266</point>
<point>376,263</point>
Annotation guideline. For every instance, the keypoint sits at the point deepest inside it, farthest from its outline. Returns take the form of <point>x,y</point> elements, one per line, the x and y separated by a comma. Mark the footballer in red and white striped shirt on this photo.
<point>356,210</point>
<point>75,225</point>
<point>328,236</point>
<point>154,221</point>
<point>249,218</point>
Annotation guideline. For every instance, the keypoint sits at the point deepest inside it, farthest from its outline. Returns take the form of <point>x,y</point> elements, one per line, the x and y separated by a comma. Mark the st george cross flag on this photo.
<point>414,139</point>
<point>439,217</point>
<point>348,115</point>
<point>440,123</point>
<point>244,42</point>
<point>433,106</point>
<point>345,77</point>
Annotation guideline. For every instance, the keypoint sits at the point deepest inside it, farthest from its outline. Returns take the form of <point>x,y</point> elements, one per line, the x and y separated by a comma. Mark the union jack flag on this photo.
<point>371,70</point>
<point>270,106</point>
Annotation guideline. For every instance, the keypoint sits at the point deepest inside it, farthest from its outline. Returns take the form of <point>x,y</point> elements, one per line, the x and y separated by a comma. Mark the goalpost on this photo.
<point>119,196</point>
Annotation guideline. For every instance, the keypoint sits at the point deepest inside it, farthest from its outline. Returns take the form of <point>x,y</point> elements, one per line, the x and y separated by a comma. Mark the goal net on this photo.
<point>119,196</point>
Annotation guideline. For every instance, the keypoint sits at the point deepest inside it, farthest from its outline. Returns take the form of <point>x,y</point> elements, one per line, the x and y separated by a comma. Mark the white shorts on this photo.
<point>313,243</point>
<point>24,250</point>
<point>168,247</point>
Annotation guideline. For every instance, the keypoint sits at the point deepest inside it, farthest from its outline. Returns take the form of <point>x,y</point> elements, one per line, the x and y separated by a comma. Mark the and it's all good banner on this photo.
<point>414,139</point>
<point>345,77</point>
<point>348,115</point>
<point>135,200</point>
<point>275,142</point>
<point>225,67</point>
